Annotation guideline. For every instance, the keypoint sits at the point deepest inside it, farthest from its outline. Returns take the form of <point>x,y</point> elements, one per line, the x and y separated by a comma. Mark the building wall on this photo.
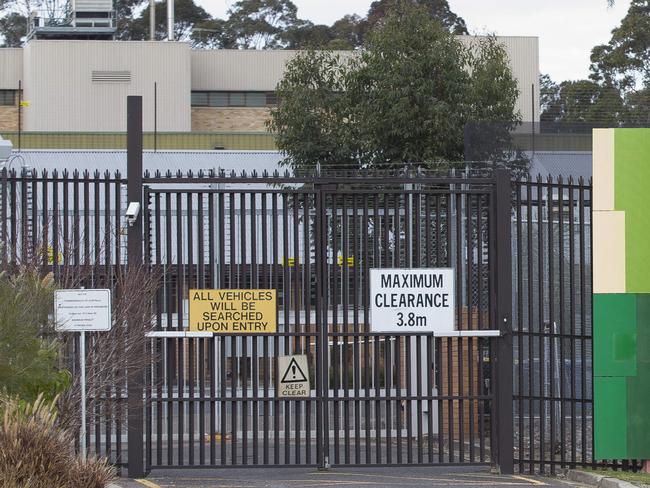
<point>63,97</point>
<point>11,68</point>
<point>229,119</point>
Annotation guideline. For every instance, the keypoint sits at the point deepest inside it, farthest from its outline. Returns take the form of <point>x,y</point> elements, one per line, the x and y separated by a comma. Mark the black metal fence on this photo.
<point>378,398</point>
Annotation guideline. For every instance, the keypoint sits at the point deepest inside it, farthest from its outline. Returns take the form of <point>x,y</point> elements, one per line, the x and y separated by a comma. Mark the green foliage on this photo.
<point>404,99</point>
<point>625,59</point>
<point>582,102</point>
<point>13,28</point>
<point>37,454</point>
<point>28,359</point>
<point>259,24</point>
<point>188,16</point>
<point>437,10</point>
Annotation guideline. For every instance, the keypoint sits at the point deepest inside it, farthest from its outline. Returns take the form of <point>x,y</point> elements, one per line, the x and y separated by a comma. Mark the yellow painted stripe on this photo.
<point>529,480</point>
<point>148,483</point>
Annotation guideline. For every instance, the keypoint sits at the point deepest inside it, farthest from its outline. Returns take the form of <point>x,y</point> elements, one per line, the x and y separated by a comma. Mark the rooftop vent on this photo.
<point>111,77</point>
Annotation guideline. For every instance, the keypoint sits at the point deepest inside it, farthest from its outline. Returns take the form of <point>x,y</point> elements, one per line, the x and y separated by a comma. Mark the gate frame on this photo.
<point>502,429</point>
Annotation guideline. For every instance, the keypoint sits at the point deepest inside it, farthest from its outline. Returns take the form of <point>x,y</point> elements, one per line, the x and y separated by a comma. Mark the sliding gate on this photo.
<point>376,399</point>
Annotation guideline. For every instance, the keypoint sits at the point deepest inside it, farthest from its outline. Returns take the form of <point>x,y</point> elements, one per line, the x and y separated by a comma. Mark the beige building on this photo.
<point>81,85</point>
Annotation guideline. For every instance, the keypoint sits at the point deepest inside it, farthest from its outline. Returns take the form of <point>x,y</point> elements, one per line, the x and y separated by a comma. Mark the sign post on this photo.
<point>82,311</point>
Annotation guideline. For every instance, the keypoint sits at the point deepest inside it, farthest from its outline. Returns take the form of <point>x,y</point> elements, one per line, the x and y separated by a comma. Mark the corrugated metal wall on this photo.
<point>11,68</point>
<point>232,70</point>
<point>62,96</point>
<point>523,53</point>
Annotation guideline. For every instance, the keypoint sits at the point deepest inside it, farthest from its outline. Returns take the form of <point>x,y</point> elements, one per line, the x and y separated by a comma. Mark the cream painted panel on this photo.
<point>603,169</point>
<point>609,251</point>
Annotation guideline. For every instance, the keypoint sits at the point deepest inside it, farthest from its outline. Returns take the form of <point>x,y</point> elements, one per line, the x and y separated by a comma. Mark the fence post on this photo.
<point>504,356</point>
<point>134,261</point>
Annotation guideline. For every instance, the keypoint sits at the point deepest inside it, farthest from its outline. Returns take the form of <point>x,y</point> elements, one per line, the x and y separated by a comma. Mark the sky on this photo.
<point>567,29</point>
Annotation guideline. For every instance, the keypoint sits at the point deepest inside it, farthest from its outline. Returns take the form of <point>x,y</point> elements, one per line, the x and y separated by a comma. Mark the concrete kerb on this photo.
<point>597,480</point>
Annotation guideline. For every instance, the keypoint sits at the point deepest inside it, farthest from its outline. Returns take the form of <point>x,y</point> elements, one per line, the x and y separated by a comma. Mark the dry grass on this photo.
<point>37,454</point>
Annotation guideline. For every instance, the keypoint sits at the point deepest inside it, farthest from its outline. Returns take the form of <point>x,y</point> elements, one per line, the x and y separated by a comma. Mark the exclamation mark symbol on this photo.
<point>293,370</point>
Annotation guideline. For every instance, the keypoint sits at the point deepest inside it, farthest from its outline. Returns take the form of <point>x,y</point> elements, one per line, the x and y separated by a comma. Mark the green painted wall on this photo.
<point>621,321</point>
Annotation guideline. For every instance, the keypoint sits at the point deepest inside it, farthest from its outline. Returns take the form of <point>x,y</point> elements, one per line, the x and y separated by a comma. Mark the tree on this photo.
<point>13,28</point>
<point>259,24</point>
<point>403,100</point>
<point>187,16</point>
<point>307,35</point>
<point>437,10</point>
<point>625,59</point>
<point>28,354</point>
<point>582,102</point>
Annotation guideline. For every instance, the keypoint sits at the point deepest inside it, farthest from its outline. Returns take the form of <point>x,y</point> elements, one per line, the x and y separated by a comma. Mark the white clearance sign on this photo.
<point>412,300</point>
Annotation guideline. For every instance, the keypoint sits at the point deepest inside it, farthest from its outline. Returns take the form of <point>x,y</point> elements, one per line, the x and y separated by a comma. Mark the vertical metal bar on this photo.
<point>255,357</point>
<point>286,302</point>
<point>297,347</point>
<point>356,362</point>
<point>266,365</point>
<point>180,342</point>
<point>540,278</point>
<point>345,290</point>
<point>307,290</point>
<point>5,190</point>
<point>212,343</point>
<point>551,317</point>
<point>469,238</point>
<point>244,340</point>
<point>583,321</point>
<point>134,189</point>
<point>233,340</point>
<point>200,240</point>
<point>520,324</point>
<point>366,305</point>
<point>503,312</point>
<point>191,343</point>
<point>531,311</point>
<point>459,342</point>
<point>333,284</point>
<point>562,316</point>
<point>572,319</point>
<point>479,323</point>
<point>223,404</point>
<point>169,342</point>
<point>276,340</point>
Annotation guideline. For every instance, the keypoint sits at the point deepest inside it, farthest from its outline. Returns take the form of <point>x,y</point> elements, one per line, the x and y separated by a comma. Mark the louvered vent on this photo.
<point>111,77</point>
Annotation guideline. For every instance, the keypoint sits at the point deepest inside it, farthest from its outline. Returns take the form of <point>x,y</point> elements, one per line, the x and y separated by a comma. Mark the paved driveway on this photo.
<point>347,478</point>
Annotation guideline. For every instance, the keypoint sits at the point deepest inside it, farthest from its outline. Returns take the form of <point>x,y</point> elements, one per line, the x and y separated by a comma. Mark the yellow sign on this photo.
<point>50,256</point>
<point>24,103</point>
<point>350,260</point>
<point>291,262</point>
<point>233,311</point>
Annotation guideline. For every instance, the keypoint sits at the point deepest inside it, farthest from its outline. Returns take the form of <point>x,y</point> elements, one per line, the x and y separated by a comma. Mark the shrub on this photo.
<point>28,350</point>
<point>35,453</point>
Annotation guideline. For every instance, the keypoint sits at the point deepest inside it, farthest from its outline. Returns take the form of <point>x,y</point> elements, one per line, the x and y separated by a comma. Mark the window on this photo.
<point>233,99</point>
<point>8,97</point>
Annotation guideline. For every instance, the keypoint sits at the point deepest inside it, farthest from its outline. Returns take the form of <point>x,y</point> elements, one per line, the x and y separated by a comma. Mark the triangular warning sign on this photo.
<point>293,373</point>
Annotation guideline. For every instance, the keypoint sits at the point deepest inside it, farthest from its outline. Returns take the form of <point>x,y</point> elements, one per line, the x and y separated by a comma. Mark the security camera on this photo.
<point>132,212</point>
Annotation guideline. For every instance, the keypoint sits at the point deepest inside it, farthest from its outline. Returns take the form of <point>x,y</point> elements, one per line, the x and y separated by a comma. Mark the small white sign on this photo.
<point>82,310</point>
<point>294,377</point>
<point>412,300</point>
